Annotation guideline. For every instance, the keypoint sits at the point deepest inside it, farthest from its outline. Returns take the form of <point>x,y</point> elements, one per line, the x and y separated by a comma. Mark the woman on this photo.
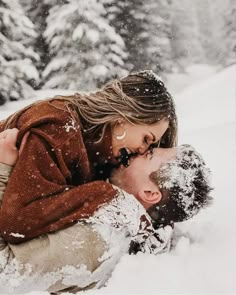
<point>81,256</point>
<point>178,177</point>
<point>73,144</point>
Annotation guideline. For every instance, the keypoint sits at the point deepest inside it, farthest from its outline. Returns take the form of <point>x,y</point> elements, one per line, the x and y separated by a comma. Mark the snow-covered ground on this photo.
<point>192,74</point>
<point>203,260</point>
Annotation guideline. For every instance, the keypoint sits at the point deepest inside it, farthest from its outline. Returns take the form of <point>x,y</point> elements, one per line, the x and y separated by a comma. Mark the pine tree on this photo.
<point>217,23</point>
<point>17,71</point>
<point>185,41</point>
<point>158,31</point>
<point>145,29</point>
<point>128,19</point>
<point>210,19</point>
<point>38,11</point>
<point>230,34</point>
<point>85,50</point>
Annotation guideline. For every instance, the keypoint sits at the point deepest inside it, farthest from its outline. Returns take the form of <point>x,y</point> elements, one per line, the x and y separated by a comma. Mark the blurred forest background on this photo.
<point>80,44</point>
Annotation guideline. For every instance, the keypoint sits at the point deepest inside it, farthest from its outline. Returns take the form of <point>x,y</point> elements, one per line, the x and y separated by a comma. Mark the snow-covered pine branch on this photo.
<point>85,49</point>
<point>17,57</point>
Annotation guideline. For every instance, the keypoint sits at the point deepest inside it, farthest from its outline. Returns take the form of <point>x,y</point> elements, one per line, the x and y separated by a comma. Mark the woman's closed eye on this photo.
<point>145,140</point>
<point>151,148</point>
<point>149,139</point>
<point>154,145</point>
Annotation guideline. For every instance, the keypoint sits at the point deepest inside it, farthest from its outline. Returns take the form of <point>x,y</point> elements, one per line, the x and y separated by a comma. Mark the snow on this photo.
<point>17,235</point>
<point>203,259</point>
<point>193,73</point>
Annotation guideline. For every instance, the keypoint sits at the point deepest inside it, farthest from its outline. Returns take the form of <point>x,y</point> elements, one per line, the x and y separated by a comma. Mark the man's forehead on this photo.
<point>163,157</point>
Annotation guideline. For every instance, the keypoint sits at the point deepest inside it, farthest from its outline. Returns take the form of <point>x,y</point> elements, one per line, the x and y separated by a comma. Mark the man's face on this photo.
<point>135,179</point>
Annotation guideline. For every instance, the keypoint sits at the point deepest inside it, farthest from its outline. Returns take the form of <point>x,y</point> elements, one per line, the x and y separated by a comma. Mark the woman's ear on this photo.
<point>149,197</point>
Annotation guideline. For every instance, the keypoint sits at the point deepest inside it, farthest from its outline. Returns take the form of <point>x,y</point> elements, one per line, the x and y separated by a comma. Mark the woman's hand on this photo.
<point>8,151</point>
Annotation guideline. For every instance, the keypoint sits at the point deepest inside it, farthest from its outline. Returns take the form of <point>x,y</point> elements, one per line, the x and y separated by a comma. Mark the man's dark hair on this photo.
<point>185,187</point>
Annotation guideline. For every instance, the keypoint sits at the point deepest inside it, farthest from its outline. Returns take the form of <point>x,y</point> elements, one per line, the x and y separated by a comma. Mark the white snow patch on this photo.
<point>17,235</point>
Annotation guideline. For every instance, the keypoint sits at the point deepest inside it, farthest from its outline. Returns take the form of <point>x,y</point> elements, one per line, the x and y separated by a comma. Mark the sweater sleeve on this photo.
<point>5,171</point>
<point>40,196</point>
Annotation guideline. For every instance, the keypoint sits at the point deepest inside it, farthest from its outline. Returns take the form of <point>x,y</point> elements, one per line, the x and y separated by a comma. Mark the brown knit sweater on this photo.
<point>53,183</point>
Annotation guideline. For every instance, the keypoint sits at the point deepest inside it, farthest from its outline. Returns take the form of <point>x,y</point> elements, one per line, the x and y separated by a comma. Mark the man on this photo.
<point>172,184</point>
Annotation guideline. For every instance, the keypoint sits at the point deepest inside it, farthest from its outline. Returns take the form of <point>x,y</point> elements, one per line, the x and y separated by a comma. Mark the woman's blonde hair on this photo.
<point>139,98</point>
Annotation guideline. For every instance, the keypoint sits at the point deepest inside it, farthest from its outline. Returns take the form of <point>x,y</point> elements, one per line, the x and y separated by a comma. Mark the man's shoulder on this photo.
<point>124,210</point>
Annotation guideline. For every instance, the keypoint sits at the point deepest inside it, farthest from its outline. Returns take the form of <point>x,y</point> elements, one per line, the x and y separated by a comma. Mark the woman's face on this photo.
<point>136,139</point>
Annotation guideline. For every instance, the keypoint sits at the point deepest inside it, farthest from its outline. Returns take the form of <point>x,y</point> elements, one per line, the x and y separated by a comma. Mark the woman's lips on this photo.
<point>125,157</point>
